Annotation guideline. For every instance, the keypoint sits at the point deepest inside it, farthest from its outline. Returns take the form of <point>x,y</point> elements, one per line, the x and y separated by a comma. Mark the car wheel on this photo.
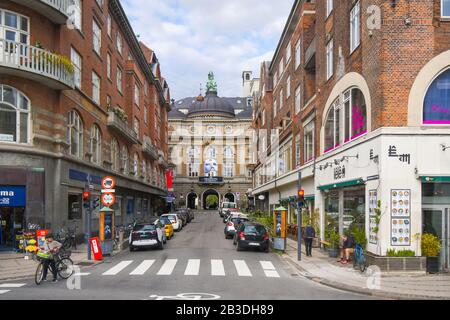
<point>131,249</point>
<point>160,246</point>
<point>226,237</point>
<point>267,250</point>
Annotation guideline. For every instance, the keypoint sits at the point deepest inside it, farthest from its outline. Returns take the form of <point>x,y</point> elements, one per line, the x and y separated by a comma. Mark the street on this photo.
<point>198,260</point>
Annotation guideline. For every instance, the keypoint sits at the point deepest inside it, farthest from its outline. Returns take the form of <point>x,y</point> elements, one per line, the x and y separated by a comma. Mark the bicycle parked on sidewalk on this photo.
<point>67,238</point>
<point>63,263</point>
<point>359,258</point>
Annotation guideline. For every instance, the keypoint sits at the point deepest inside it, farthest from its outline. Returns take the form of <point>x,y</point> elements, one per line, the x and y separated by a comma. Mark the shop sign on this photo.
<point>12,196</point>
<point>339,172</point>
<point>393,153</point>
<point>262,197</point>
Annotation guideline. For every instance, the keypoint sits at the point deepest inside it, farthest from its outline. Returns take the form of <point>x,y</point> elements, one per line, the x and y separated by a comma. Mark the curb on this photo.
<point>358,290</point>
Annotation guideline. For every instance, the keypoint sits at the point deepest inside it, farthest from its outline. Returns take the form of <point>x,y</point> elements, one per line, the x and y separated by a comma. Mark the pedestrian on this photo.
<point>50,246</point>
<point>310,234</point>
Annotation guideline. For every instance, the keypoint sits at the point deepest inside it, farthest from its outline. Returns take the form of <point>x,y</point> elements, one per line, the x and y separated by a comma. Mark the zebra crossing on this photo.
<point>192,267</point>
<point>7,287</point>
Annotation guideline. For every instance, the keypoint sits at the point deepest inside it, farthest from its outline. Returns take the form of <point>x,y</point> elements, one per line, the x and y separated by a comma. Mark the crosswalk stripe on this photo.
<point>12,285</point>
<point>192,268</point>
<point>116,269</point>
<point>167,267</point>
<point>242,268</point>
<point>269,269</point>
<point>217,268</point>
<point>4,291</point>
<point>142,268</point>
<point>81,274</point>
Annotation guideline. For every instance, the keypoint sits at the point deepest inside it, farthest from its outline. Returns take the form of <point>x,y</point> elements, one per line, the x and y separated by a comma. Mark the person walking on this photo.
<point>310,234</point>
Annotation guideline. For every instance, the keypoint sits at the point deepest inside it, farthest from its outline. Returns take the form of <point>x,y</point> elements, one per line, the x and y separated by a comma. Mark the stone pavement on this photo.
<point>393,285</point>
<point>13,266</point>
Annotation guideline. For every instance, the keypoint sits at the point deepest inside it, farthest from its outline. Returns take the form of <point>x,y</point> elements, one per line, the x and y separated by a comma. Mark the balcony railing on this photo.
<point>55,10</point>
<point>37,64</point>
<point>121,127</point>
<point>150,150</point>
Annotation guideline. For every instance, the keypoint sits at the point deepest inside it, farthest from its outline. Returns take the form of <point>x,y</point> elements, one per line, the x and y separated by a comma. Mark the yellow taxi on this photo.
<point>167,227</point>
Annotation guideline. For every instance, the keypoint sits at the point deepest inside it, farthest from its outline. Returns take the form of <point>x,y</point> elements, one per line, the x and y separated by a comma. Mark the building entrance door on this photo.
<point>11,222</point>
<point>436,221</point>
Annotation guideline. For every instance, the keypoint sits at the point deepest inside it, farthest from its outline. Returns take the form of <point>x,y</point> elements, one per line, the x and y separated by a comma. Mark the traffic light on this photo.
<point>86,196</point>
<point>301,196</point>
<point>96,203</point>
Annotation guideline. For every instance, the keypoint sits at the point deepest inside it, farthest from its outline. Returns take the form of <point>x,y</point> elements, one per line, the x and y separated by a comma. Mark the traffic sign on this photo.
<point>108,199</point>
<point>108,183</point>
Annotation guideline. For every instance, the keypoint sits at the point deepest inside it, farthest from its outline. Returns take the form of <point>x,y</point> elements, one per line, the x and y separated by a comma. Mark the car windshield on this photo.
<point>144,228</point>
<point>255,229</point>
<point>165,220</point>
<point>238,220</point>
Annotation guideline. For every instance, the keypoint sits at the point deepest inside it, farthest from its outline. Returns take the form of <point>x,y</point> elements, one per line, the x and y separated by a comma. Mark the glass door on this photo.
<point>436,222</point>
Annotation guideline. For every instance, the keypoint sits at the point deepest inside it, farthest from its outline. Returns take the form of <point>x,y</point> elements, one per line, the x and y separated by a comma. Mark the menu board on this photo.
<point>373,204</point>
<point>401,217</point>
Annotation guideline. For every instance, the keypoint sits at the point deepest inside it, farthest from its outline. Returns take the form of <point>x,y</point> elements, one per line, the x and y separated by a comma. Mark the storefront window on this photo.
<point>354,209</point>
<point>331,212</point>
<point>436,109</point>
<point>75,207</point>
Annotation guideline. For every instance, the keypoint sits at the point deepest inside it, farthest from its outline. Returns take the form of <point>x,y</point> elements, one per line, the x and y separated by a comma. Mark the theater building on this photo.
<point>369,120</point>
<point>80,98</point>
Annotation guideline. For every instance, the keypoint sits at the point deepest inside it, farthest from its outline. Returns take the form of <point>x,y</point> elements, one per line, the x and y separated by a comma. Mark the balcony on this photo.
<point>310,54</point>
<point>55,10</point>
<point>121,127</point>
<point>25,61</point>
<point>163,162</point>
<point>149,149</point>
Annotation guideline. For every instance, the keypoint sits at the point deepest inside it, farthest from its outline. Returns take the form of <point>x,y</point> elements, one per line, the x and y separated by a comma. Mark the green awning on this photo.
<point>435,178</point>
<point>310,198</point>
<point>342,184</point>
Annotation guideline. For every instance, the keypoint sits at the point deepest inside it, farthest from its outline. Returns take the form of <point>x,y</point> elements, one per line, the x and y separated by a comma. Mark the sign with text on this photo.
<point>12,196</point>
<point>96,249</point>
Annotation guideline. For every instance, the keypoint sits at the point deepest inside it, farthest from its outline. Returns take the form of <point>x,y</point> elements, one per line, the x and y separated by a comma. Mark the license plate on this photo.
<point>253,244</point>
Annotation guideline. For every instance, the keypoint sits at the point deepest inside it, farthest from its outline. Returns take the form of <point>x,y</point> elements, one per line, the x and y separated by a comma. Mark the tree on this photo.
<point>212,201</point>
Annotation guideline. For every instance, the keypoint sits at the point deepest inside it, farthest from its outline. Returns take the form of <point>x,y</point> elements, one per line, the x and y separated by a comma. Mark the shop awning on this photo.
<point>435,178</point>
<point>310,198</point>
<point>342,184</point>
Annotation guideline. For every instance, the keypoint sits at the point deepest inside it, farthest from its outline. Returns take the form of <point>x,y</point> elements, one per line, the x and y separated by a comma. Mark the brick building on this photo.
<point>81,98</point>
<point>360,109</point>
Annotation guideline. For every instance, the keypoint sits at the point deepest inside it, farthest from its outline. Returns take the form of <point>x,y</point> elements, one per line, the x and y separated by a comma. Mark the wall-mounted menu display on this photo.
<point>401,217</point>
<point>373,204</point>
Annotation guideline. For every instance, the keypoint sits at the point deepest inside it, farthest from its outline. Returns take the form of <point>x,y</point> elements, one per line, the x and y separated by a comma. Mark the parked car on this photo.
<point>147,235</point>
<point>228,212</point>
<point>175,219</point>
<point>233,223</point>
<point>251,235</point>
<point>227,206</point>
<point>183,216</point>
<point>191,214</point>
<point>168,227</point>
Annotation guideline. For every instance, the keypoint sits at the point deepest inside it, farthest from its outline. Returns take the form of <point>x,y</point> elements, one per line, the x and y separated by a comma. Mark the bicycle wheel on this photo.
<point>67,244</point>
<point>362,263</point>
<point>39,275</point>
<point>65,268</point>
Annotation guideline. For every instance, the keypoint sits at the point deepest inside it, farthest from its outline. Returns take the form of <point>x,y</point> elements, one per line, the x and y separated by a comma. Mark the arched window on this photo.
<point>136,165</point>
<point>95,145</point>
<point>193,152</point>
<point>346,120</point>
<point>115,155</point>
<point>75,134</point>
<point>436,108</point>
<point>211,152</point>
<point>228,152</point>
<point>14,115</point>
<point>125,160</point>
<point>143,169</point>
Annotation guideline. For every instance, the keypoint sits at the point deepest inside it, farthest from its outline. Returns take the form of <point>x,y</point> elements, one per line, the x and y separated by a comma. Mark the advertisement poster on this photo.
<point>401,217</point>
<point>280,224</point>
<point>108,227</point>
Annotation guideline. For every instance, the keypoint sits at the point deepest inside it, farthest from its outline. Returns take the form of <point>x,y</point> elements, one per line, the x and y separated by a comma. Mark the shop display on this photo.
<point>400,217</point>
<point>373,204</point>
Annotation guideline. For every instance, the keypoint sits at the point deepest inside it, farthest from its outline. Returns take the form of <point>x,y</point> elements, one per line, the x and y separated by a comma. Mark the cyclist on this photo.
<point>50,246</point>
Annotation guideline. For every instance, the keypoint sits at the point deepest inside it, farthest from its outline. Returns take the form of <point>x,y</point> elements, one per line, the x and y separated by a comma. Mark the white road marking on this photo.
<point>116,269</point>
<point>12,285</point>
<point>142,268</point>
<point>4,291</point>
<point>192,268</point>
<point>269,269</point>
<point>81,274</point>
<point>242,268</point>
<point>217,268</point>
<point>167,267</point>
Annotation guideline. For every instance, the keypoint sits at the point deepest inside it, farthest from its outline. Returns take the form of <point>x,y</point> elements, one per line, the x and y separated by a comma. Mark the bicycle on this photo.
<point>359,258</point>
<point>64,266</point>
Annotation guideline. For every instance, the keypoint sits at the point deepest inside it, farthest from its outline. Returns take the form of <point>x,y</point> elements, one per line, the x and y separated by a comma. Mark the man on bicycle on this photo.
<point>50,246</point>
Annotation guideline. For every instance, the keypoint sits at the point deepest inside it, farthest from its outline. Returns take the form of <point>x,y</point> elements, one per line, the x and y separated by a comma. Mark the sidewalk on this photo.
<point>394,285</point>
<point>13,266</point>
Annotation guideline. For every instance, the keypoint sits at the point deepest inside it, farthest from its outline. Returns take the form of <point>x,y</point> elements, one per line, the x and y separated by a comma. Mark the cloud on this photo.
<point>193,37</point>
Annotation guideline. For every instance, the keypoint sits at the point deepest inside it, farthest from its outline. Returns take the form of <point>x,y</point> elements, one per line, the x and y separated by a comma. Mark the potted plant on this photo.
<point>333,250</point>
<point>431,248</point>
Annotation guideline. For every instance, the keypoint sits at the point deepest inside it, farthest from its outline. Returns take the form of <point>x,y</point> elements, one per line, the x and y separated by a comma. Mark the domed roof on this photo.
<point>211,105</point>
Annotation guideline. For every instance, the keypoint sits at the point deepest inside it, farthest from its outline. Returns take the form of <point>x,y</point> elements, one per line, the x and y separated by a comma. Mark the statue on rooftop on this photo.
<point>211,85</point>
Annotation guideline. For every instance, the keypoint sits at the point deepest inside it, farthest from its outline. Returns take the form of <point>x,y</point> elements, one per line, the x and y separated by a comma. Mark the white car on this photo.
<point>176,221</point>
<point>232,222</point>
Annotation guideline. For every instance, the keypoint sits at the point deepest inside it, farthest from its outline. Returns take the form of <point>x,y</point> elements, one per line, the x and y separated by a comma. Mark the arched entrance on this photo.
<point>192,201</point>
<point>211,200</point>
<point>229,197</point>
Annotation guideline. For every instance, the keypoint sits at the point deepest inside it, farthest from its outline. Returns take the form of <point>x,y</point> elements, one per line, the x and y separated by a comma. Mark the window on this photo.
<point>298,53</point>
<point>14,27</point>
<point>125,160</point>
<point>211,152</point>
<point>100,3</point>
<point>445,8</point>
<point>288,87</point>
<point>109,25</point>
<point>297,150</point>
<point>437,101</point>
<point>143,168</point>
<point>281,99</point>
<point>329,7</point>
<point>332,127</point>
<point>263,117</point>
<point>76,13</point>
<point>228,169</point>
<point>108,66</point>
<point>14,115</point>
<point>329,59</point>
<point>355,21</point>
<point>146,115</point>
<point>95,145</point>
<point>193,169</point>
<point>228,152</point>
<point>136,95</point>
<point>96,37</point>
<point>136,126</point>
<point>95,87</point>
<point>115,155</point>
<point>193,152</point>
<point>136,165</point>
<point>275,79</point>
<point>119,79</point>
<point>281,68</point>
<point>275,108</point>
<point>288,52</point>
<point>308,140</point>
<point>298,99</point>
<point>75,134</point>
<point>76,61</point>
<point>119,43</point>
<point>285,158</point>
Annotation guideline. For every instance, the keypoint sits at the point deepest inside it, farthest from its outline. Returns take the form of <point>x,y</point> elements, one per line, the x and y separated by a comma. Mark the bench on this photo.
<point>325,243</point>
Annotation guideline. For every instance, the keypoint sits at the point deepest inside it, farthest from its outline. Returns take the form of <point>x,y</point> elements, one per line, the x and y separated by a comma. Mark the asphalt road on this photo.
<point>197,262</point>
